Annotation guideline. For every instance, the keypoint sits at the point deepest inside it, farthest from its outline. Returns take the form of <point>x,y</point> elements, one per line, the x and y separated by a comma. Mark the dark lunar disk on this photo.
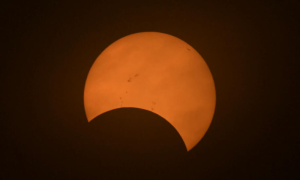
<point>134,139</point>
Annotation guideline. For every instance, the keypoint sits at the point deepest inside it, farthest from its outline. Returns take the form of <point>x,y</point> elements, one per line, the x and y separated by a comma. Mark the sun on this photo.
<point>156,72</point>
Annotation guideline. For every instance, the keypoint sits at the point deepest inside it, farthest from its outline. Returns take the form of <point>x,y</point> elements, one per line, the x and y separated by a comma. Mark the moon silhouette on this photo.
<point>156,72</point>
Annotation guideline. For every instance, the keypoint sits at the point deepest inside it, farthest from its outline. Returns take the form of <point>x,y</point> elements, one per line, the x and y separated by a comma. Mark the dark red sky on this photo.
<point>251,48</point>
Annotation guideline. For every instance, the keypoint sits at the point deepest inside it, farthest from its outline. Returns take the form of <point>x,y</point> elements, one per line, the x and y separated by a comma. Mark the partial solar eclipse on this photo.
<point>156,72</point>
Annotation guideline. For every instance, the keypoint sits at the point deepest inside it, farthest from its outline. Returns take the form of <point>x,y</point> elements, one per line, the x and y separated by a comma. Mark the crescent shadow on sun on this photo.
<point>136,129</point>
